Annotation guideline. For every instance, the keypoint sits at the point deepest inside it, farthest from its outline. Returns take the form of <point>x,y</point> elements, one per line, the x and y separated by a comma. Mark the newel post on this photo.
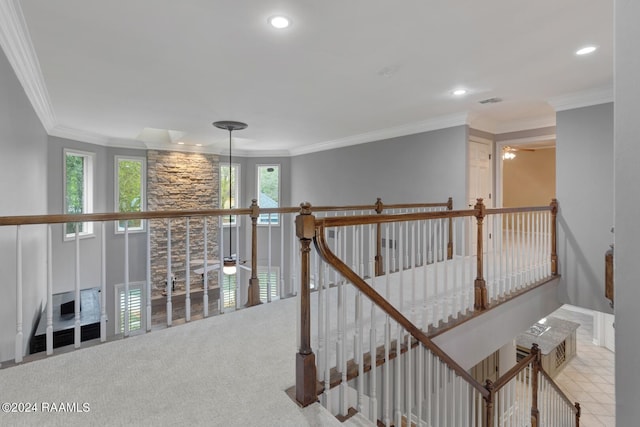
<point>554,236</point>
<point>480,286</point>
<point>254,283</point>
<point>450,243</point>
<point>305,359</point>
<point>488,407</point>
<point>578,412</point>
<point>378,258</point>
<point>535,413</point>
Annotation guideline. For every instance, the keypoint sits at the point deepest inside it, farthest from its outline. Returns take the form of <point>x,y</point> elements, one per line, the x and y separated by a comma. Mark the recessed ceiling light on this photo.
<point>586,50</point>
<point>180,143</point>
<point>198,145</point>
<point>459,92</point>
<point>279,22</point>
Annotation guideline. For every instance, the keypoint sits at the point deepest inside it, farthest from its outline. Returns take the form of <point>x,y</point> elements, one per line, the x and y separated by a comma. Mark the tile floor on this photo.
<point>589,377</point>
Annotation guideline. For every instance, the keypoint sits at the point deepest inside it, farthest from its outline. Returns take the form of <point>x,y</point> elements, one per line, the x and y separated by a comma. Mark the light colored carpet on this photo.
<point>228,370</point>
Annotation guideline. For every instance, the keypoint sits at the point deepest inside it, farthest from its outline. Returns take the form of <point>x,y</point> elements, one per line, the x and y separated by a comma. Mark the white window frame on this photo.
<point>88,186</point>
<point>275,216</point>
<point>143,191</point>
<point>263,270</point>
<point>118,289</point>
<point>235,220</point>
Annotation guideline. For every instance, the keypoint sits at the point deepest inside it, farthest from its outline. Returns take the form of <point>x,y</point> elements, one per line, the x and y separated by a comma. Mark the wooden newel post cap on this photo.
<point>305,222</point>
<point>554,206</point>
<point>450,204</point>
<point>255,209</point>
<point>379,205</point>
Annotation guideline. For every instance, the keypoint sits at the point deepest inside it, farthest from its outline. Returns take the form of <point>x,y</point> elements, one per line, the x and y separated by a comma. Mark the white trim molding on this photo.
<point>582,99</point>
<point>17,45</point>
<point>441,122</point>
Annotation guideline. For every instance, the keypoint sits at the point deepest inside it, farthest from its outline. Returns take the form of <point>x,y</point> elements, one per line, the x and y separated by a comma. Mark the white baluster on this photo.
<point>238,252</point>
<point>76,307</point>
<point>148,268</point>
<point>19,336</point>
<point>50,294</point>
<point>327,330</point>
<point>413,272</point>
<point>169,281</point>
<point>398,372</point>
<point>282,292</point>
<point>360,351</point>
<point>386,381</point>
<point>408,397</point>
<point>127,312</point>
<point>205,278</point>
<point>187,282</point>
<point>269,284</point>
<point>322,333</point>
<point>103,283</point>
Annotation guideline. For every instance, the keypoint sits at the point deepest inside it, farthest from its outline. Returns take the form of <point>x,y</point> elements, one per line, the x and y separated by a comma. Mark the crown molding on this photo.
<point>526,124</point>
<point>441,122</point>
<point>582,99</point>
<point>78,135</point>
<point>17,45</point>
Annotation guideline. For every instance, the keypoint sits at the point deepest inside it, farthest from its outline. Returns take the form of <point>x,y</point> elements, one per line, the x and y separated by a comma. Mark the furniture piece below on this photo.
<point>556,339</point>
<point>63,324</point>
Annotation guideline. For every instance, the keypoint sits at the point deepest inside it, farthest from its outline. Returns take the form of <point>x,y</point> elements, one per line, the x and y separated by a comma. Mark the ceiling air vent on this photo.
<point>490,101</point>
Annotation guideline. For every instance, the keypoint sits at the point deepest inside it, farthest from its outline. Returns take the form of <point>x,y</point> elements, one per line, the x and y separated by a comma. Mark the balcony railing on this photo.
<point>384,281</point>
<point>266,258</point>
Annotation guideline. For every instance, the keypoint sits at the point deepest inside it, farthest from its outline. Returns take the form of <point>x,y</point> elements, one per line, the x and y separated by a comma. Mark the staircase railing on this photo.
<point>410,379</point>
<point>189,254</point>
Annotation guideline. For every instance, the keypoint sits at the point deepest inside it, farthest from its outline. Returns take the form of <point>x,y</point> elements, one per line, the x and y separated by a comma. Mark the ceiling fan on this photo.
<point>509,153</point>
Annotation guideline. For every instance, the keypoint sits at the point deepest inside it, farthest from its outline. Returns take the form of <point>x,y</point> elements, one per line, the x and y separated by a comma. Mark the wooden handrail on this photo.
<point>123,216</point>
<point>329,257</point>
<point>515,370</point>
<point>493,211</point>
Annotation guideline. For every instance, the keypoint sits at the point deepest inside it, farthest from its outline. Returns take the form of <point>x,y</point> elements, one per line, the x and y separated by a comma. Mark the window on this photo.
<point>136,294</point>
<point>269,280</point>
<point>268,192</point>
<point>229,290</point>
<point>225,202</point>
<point>78,190</point>
<point>130,189</point>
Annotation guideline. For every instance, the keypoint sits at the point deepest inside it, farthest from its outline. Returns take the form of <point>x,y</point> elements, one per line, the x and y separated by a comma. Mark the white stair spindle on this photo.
<point>239,249</point>
<point>386,380</point>
<point>187,278</point>
<point>76,308</point>
<point>103,282</point>
<point>360,351</point>
<point>50,295</point>
<point>281,292</point>
<point>413,272</point>
<point>169,281</point>
<point>205,277</point>
<point>398,372</point>
<point>269,284</point>
<point>127,312</point>
<point>148,284</point>
<point>19,336</point>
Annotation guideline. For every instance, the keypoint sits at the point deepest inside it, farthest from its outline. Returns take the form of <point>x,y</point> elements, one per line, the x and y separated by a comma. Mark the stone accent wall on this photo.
<point>181,181</point>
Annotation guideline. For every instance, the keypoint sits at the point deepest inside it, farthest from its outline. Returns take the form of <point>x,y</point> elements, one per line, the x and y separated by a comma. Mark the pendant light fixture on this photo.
<point>229,262</point>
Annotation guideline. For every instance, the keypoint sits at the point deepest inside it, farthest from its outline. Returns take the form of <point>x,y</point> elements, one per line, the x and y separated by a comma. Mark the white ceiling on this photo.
<point>345,72</point>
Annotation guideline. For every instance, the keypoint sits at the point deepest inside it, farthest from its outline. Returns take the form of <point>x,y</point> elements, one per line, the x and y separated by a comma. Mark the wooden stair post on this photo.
<point>554,237</point>
<point>537,361</point>
<point>488,407</point>
<point>450,243</point>
<point>378,257</point>
<point>305,359</point>
<point>254,283</point>
<point>480,285</point>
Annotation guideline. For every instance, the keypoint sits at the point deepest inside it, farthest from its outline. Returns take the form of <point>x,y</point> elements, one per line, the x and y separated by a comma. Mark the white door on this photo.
<point>480,173</point>
<point>480,186</point>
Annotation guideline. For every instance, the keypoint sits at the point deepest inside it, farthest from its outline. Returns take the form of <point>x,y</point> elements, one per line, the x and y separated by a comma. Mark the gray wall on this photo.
<point>23,177</point>
<point>90,248</point>
<point>427,167</point>
<point>584,183</point>
<point>627,207</point>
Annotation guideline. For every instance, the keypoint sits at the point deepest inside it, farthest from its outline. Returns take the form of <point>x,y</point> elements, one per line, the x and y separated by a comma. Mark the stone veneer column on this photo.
<point>178,180</point>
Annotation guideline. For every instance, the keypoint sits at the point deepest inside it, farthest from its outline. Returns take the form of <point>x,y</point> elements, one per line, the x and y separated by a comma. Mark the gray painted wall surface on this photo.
<point>584,183</point>
<point>90,248</point>
<point>627,208</point>
<point>428,167</point>
<point>23,178</point>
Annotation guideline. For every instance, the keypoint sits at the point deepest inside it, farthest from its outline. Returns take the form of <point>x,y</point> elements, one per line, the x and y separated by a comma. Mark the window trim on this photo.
<point>237,218</point>
<point>277,165</point>
<point>143,191</point>
<point>89,186</point>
